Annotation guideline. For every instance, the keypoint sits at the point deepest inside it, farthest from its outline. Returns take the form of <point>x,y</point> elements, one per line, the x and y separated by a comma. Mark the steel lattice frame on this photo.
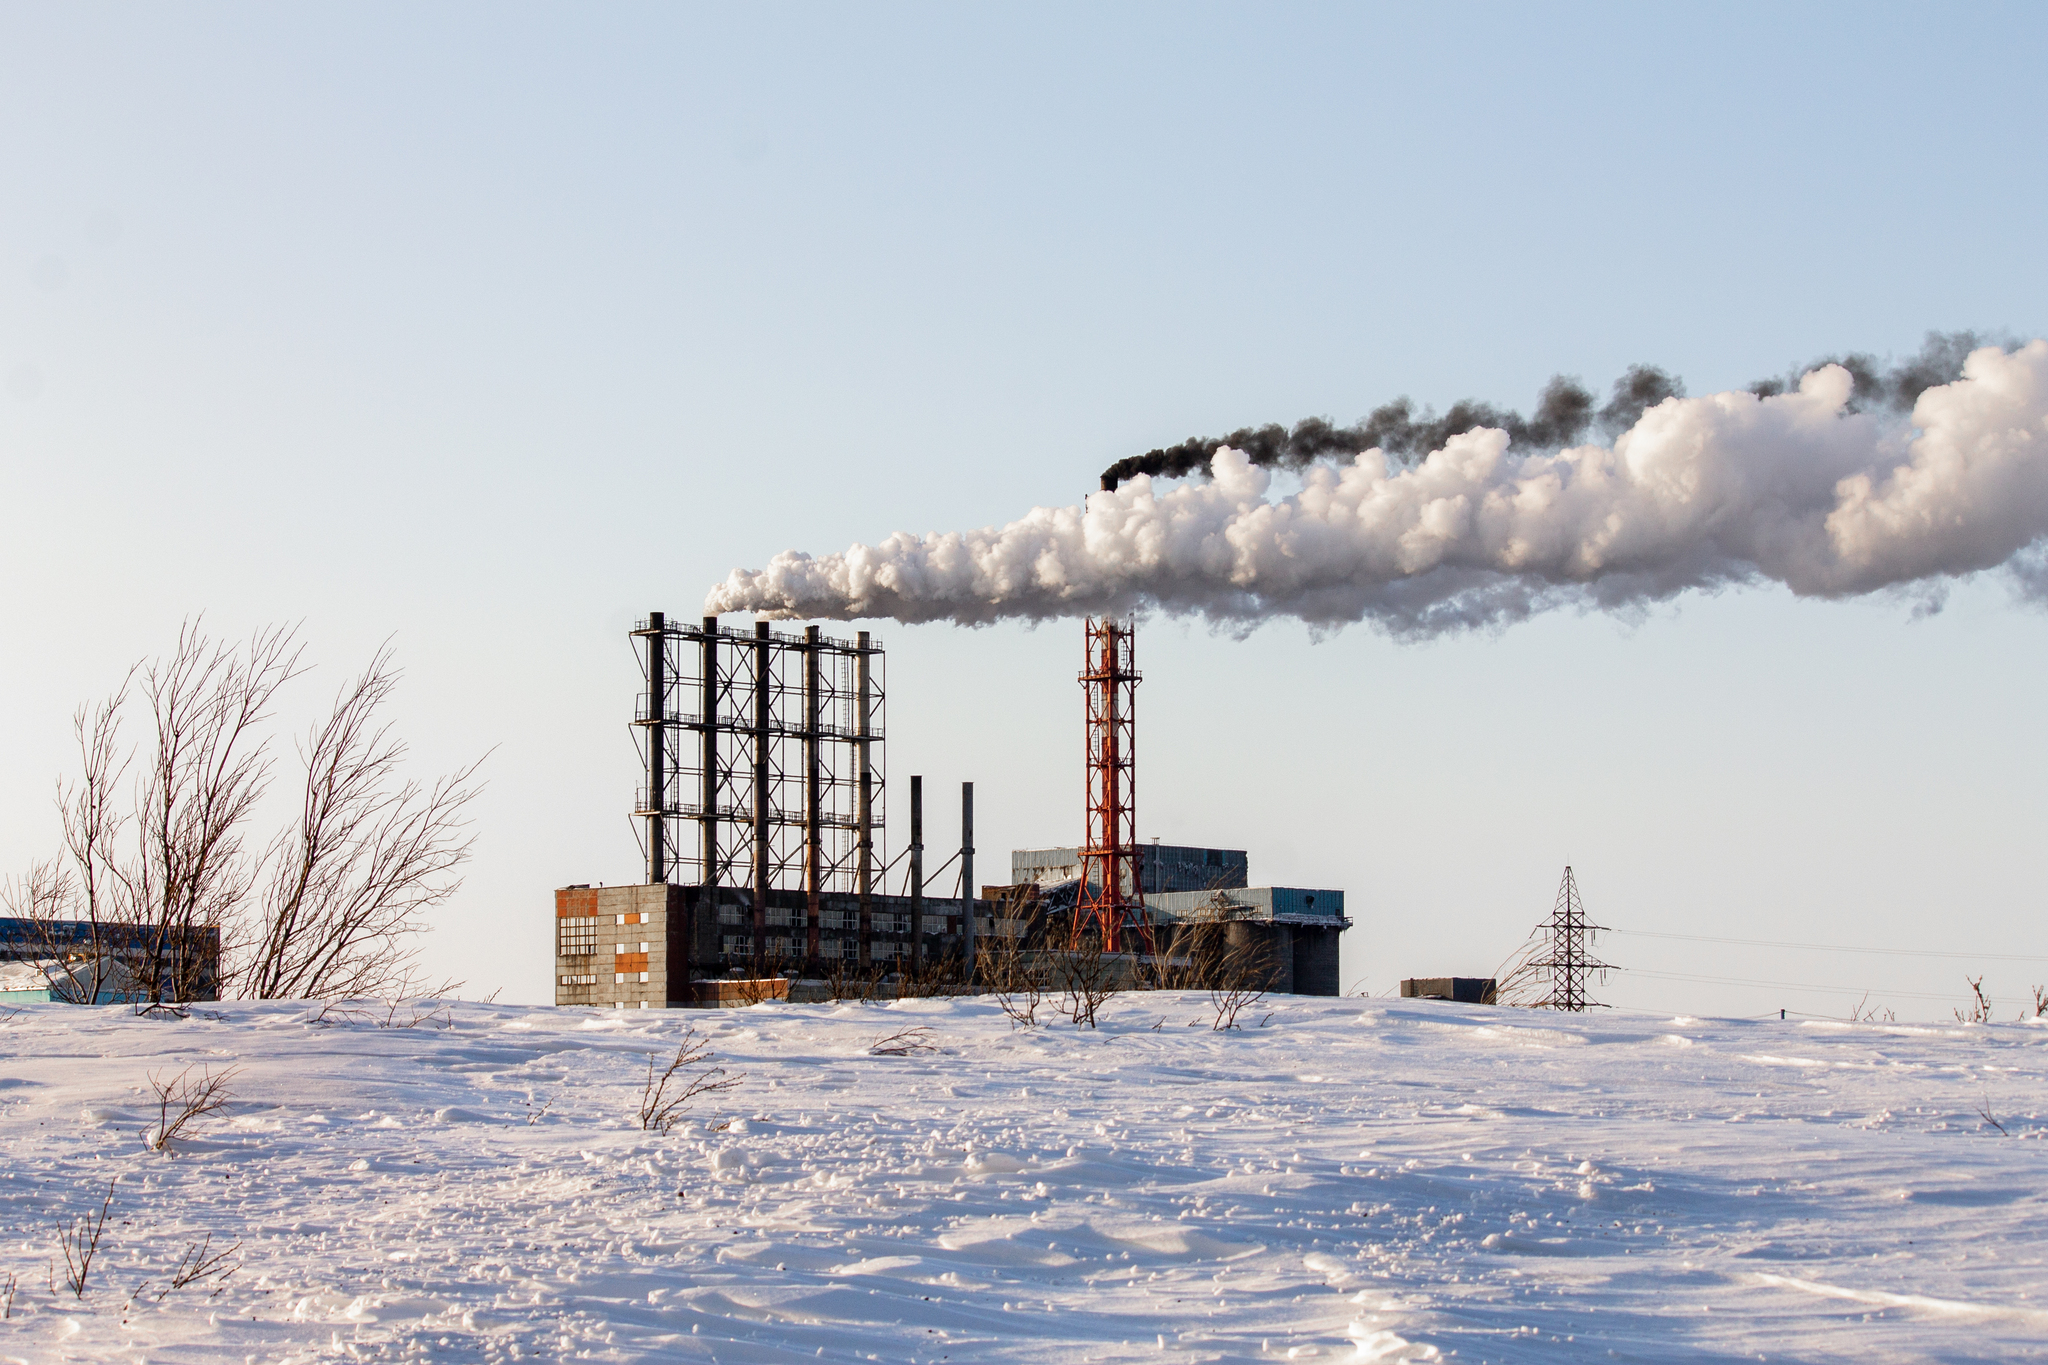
<point>1570,964</point>
<point>770,744</point>
<point>1111,896</point>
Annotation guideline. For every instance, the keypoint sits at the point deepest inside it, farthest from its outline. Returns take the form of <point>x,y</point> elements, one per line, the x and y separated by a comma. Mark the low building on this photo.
<point>1161,867</point>
<point>1300,927</point>
<point>664,946</point>
<point>69,960</point>
<point>1463,990</point>
<point>1182,884</point>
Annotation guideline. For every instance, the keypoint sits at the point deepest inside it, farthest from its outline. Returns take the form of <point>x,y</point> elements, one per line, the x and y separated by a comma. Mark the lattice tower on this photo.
<point>1570,965</point>
<point>1110,896</point>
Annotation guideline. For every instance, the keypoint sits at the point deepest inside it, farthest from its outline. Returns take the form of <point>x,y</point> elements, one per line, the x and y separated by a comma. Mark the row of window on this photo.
<point>884,921</point>
<point>581,945</point>
<point>739,946</point>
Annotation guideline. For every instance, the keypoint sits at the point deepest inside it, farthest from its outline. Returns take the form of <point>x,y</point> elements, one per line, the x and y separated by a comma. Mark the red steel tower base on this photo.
<point>1111,896</point>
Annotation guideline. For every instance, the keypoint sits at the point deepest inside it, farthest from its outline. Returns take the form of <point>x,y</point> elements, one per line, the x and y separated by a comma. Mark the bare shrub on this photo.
<point>1984,1112</point>
<point>1189,953</point>
<point>201,1263</point>
<point>1244,974</point>
<point>907,1042</point>
<point>1005,970</point>
<point>930,976</point>
<point>8,1311</point>
<point>756,990</point>
<point>79,1241</point>
<point>166,893</point>
<point>1978,1011</point>
<point>1086,977</point>
<point>846,979</point>
<point>184,1100</point>
<point>416,1014</point>
<point>2040,1002</point>
<point>693,1077</point>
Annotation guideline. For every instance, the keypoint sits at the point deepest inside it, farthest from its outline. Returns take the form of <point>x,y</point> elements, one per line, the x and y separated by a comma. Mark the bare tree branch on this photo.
<point>369,856</point>
<point>163,895</point>
<point>199,788</point>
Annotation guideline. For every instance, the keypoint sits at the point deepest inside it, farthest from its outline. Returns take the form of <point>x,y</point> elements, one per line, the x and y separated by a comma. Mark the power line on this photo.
<point>1836,947</point>
<point>1782,985</point>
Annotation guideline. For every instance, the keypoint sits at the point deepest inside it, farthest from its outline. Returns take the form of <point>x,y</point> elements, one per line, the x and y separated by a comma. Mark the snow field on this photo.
<point>1356,1180</point>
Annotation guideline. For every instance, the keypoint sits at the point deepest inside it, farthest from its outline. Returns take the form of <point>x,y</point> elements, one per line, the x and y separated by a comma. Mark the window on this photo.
<point>576,936</point>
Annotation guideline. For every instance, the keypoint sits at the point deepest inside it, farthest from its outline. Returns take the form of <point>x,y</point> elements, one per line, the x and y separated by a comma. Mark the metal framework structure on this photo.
<point>770,744</point>
<point>1570,964</point>
<point>1111,896</point>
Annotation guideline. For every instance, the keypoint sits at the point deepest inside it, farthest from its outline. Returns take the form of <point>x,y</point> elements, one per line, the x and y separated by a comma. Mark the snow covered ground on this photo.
<point>1355,1180</point>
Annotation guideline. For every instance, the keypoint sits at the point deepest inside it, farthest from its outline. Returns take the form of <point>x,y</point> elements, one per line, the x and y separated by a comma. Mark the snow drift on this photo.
<point>1799,488</point>
<point>1363,1180</point>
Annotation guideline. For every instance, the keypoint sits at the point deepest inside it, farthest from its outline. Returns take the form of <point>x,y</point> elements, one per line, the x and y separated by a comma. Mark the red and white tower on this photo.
<point>1111,895</point>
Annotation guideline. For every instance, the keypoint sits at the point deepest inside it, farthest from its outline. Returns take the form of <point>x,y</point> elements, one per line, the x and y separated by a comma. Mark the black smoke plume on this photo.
<point>1896,388</point>
<point>1564,413</point>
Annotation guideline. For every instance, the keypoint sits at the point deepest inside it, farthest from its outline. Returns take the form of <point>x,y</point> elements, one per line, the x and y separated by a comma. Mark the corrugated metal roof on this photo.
<point>1278,903</point>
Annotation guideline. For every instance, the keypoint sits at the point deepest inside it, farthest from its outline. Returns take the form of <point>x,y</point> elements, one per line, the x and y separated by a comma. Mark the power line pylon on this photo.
<point>1570,963</point>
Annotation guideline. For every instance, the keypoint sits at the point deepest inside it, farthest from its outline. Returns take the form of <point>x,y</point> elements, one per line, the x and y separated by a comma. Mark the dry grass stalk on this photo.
<point>690,1071</point>
<point>79,1240</point>
<point>183,1100</point>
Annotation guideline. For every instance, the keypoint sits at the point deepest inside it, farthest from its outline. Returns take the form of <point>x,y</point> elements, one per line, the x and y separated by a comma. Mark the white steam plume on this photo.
<point>1729,488</point>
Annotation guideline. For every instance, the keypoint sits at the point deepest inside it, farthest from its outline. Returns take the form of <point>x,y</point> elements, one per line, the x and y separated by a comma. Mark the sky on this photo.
<point>487,329</point>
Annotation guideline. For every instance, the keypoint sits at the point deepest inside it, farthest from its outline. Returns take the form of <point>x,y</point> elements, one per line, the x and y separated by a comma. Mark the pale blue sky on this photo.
<point>492,327</point>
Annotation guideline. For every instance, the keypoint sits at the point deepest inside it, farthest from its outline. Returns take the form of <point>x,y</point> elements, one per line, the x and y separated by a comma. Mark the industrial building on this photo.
<point>764,823</point>
<point>1161,867</point>
<point>71,960</point>
<point>1298,927</point>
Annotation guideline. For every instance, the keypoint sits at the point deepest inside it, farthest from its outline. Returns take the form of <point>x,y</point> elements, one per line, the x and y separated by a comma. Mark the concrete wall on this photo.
<point>1315,961</point>
<point>614,945</point>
